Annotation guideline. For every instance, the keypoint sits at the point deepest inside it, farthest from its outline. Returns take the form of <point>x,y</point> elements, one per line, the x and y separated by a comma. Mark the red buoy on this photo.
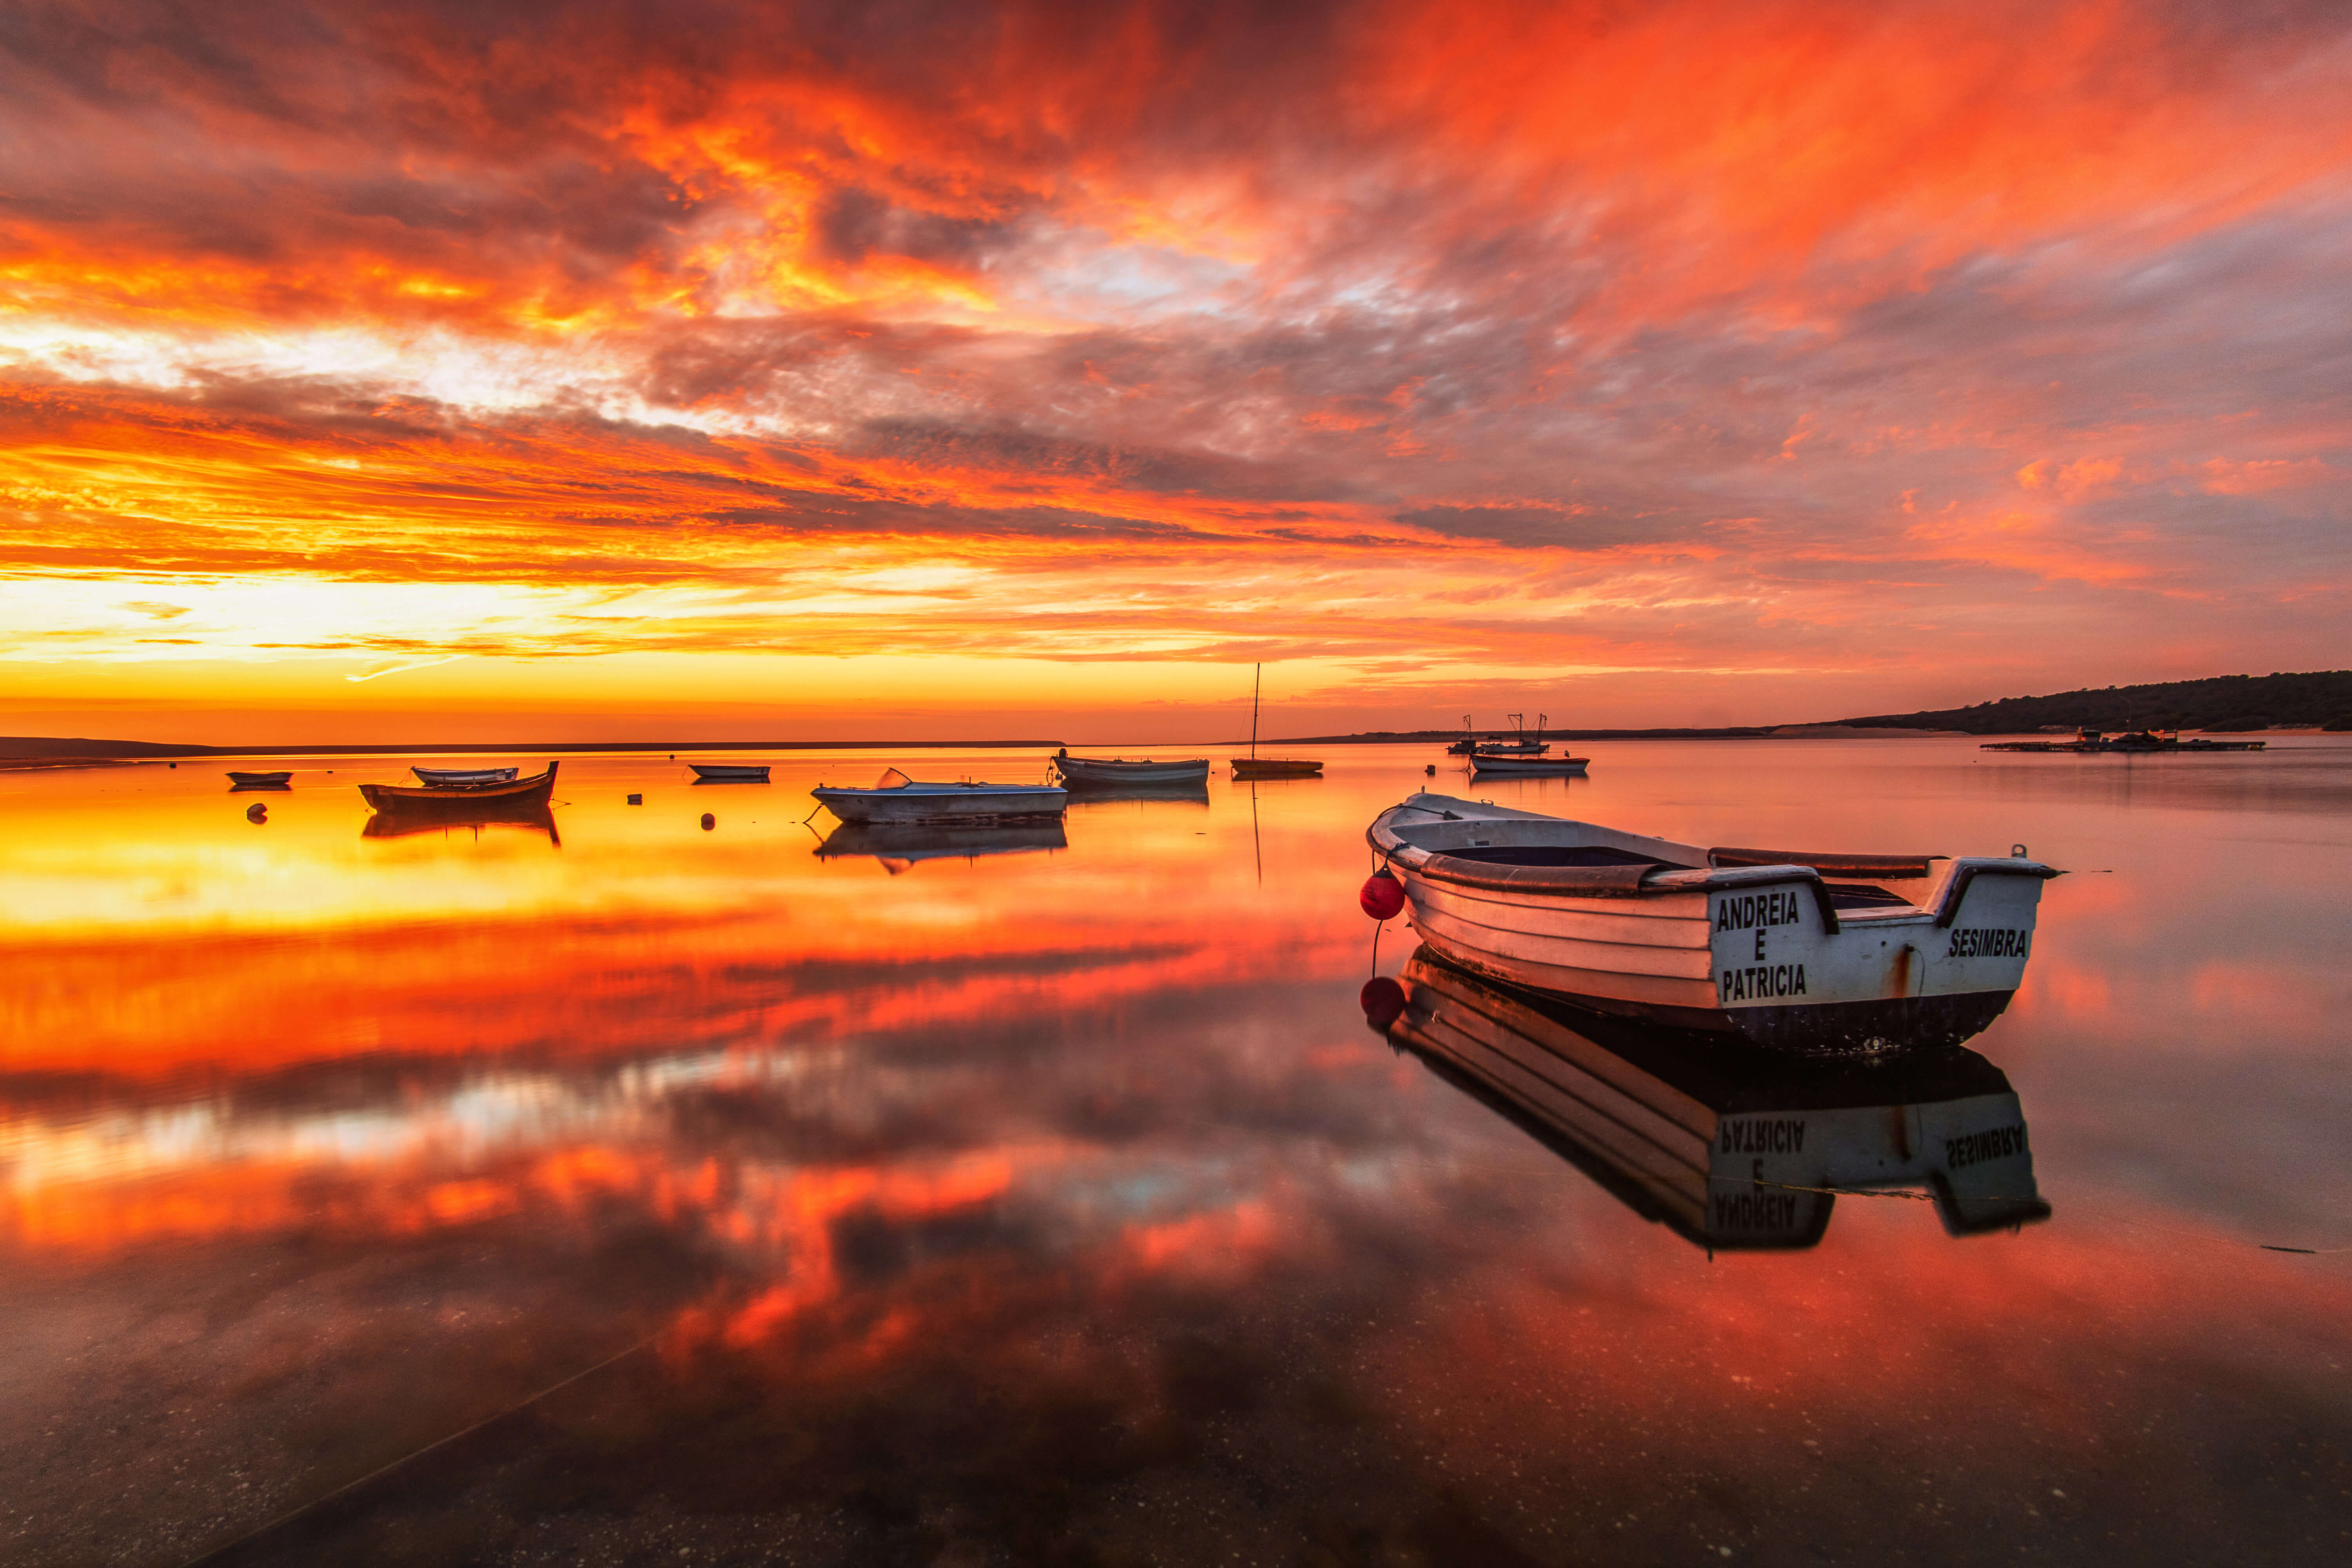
<point>1382,895</point>
<point>1383,1000</point>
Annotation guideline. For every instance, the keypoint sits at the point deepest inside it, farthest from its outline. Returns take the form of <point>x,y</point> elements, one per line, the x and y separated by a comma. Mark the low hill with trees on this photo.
<point>2227,703</point>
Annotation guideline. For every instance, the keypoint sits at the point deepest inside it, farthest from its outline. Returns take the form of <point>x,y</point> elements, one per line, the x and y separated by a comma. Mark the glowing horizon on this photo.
<point>827,374</point>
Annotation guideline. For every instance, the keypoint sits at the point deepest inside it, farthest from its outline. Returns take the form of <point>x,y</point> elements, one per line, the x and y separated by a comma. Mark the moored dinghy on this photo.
<point>731,772</point>
<point>464,778</point>
<point>1103,773</point>
<point>897,798</point>
<point>460,797</point>
<point>1256,767</point>
<point>260,781</point>
<point>1528,767</point>
<point>1800,952</point>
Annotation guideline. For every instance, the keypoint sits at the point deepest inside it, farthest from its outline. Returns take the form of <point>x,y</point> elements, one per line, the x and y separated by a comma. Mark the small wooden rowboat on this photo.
<point>406,797</point>
<point>731,772</point>
<point>1531,767</point>
<point>1800,951</point>
<point>897,798</point>
<point>259,781</point>
<point>1728,1147</point>
<point>1096,773</point>
<point>464,778</point>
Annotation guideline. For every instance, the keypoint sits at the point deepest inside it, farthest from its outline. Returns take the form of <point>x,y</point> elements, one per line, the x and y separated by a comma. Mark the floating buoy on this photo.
<point>256,812</point>
<point>1383,1000</point>
<point>637,800</point>
<point>1382,895</point>
<point>1431,769</point>
<point>708,822</point>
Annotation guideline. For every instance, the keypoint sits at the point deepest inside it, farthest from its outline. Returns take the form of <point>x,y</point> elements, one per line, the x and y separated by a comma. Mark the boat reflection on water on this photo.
<point>898,844</point>
<point>1190,792</point>
<point>1731,1147</point>
<point>391,822</point>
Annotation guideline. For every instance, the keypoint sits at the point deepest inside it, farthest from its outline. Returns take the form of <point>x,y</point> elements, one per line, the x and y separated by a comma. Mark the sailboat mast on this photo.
<point>1256,675</point>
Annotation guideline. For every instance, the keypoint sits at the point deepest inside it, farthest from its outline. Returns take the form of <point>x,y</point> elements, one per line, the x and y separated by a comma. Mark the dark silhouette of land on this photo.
<point>2226,704</point>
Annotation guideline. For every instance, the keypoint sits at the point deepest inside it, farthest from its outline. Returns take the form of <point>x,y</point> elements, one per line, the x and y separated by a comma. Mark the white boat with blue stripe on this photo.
<point>1799,950</point>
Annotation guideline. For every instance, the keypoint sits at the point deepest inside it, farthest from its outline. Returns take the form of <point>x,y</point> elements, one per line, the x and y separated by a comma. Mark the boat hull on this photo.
<point>1533,767</point>
<point>464,778</point>
<point>1275,768</point>
<point>259,781</point>
<point>1668,933</point>
<point>1097,772</point>
<point>972,803</point>
<point>729,772</point>
<point>463,798</point>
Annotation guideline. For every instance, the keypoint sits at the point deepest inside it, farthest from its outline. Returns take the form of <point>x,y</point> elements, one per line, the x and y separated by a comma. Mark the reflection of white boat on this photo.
<point>899,845</point>
<point>1091,772</point>
<point>897,798</point>
<point>1730,1149</point>
<point>463,778</point>
<point>1189,792</point>
<point>1799,950</point>
<point>1533,767</point>
<point>731,772</point>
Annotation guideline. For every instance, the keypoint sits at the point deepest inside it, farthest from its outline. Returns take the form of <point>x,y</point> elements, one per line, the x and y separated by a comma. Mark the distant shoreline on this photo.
<point>26,753</point>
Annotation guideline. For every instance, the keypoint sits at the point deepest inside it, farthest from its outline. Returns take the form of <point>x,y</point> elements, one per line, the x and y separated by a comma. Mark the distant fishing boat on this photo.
<point>1530,767</point>
<point>1795,951</point>
<point>1256,767</point>
<point>731,772</point>
<point>1467,743</point>
<point>901,846</point>
<point>1094,772</point>
<point>259,781</point>
<point>442,797</point>
<point>1521,744</point>
<point>1729,1148</point>
<point>464,778</point>
<point>897,798</point>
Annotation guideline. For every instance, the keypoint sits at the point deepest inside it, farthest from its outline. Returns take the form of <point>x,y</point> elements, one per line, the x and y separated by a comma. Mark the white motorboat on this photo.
<point>464,778</point>
<point>1728,1147</point>
<point>1529,767</point>
<point>1798,951</point>
<point>1087,772</point>
<point>897,798</point>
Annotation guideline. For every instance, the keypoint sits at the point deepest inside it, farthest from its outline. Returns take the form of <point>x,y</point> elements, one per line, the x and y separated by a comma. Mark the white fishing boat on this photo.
<point>464,778</point>
<point>897,798</point>
<point>731,772</point>
<point>1087,773</point>
<point>1521,743</point>
<point>1728,1147</point>
<point>1798,951</point>
<point>1528,766</point>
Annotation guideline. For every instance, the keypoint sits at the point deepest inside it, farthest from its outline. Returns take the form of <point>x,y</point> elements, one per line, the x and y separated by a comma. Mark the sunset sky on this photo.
<point>484,370</point>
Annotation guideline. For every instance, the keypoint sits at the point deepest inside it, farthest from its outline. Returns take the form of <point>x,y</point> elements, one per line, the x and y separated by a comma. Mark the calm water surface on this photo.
<point>616,1190</point>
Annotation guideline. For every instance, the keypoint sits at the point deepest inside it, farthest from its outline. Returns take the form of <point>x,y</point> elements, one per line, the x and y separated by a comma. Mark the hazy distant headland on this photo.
<point>2226,704</point>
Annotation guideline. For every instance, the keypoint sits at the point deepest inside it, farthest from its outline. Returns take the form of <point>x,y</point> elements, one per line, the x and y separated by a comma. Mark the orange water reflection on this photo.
<point>1092,1131</point>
